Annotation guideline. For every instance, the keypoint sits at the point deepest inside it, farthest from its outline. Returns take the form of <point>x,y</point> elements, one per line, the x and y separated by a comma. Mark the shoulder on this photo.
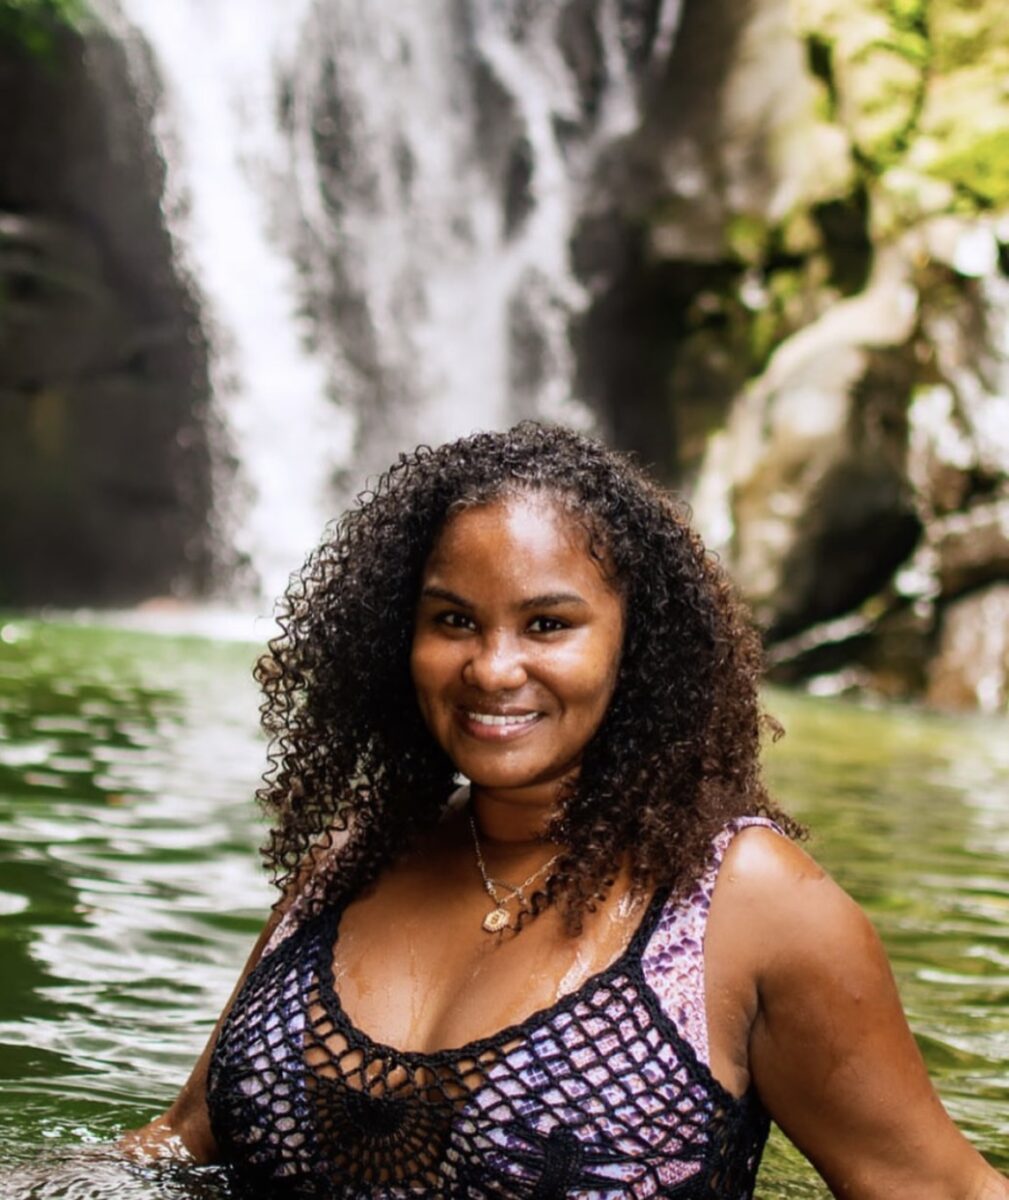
<point>829,1050</point>
<point>790,913</point>
<point>307,889</point>
<point>762,861</point>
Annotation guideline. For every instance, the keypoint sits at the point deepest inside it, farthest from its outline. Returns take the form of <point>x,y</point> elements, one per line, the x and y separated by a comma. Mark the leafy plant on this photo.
<point>34,25</point>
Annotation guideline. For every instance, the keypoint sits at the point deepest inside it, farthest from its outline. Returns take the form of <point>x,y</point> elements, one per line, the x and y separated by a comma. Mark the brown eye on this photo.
<point>455,620</point>
<point>547,625</point>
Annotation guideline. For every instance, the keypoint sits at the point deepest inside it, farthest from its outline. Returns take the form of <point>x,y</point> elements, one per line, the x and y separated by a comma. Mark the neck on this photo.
<point>512,825</point>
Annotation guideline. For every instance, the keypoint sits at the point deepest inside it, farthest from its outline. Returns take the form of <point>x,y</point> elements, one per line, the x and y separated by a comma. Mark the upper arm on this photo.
<point>831,1053</point>
<point>185,1127</point>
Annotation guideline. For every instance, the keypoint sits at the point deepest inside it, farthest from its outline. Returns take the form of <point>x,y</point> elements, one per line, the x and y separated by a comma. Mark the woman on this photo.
<point>598,968</point>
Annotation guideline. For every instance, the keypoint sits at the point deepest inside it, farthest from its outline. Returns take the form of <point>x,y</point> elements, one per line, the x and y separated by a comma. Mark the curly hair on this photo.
<point>676,755</point>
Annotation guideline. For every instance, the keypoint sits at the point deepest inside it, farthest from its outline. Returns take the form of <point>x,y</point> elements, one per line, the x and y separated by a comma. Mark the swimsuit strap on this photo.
<point>673,960</point>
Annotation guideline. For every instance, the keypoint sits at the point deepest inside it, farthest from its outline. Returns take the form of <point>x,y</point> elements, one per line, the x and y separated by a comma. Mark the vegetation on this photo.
<point>917,86</point>
<point>910,98</point>
<point>34,25</point>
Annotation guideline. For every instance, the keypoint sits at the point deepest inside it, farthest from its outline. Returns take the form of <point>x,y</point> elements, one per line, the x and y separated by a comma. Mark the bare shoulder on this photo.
<point>760,856</point>
<point>764,866</point>
<point>829,1049</point>
<point>792,910</point>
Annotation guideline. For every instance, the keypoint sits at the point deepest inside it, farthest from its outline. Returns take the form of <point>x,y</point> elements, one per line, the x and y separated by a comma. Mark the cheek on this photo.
<point>606,666</point>
<point>591,675</point>
<point>429,669</point>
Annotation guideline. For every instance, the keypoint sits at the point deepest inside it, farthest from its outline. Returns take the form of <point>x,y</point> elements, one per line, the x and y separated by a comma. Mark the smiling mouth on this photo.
<point>501,719</point>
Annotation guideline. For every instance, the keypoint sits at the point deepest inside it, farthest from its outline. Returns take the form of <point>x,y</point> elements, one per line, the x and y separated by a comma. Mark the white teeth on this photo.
<point>495,719</point>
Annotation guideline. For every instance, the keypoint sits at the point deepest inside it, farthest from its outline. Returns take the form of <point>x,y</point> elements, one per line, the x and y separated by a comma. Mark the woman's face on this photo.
<point>516,645</point>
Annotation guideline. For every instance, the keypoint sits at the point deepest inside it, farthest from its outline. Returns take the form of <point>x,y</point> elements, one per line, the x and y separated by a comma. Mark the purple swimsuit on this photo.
<point>606,1093</point>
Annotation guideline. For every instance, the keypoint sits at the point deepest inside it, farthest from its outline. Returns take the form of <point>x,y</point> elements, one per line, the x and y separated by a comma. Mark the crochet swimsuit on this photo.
<point>604,1094</point>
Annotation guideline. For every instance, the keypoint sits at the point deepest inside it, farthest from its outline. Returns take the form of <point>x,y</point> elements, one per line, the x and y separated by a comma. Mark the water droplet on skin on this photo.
<point>574,975</point>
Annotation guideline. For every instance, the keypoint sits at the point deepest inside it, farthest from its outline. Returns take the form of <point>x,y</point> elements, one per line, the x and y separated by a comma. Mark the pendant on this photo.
<point>496,920</point>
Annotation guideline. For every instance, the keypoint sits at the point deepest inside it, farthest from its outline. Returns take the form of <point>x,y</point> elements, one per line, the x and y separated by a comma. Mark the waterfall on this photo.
<point>375,204</point>
<point>213,101</point>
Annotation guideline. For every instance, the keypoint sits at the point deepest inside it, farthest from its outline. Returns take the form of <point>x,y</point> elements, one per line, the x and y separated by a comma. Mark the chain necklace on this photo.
<point>498,918</point>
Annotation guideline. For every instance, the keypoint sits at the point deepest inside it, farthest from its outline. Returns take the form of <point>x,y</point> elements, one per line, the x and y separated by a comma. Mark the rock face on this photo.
<point>971,666</point>
<point>104,458</point>
<point>858,488</point>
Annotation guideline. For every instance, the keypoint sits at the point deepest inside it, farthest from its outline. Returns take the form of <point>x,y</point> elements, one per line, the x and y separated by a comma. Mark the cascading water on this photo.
<point>376,204</point>
<point>214,119</point>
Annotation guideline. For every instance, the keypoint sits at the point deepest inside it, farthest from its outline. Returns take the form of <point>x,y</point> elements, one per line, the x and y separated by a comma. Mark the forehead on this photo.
<point>527,532</point>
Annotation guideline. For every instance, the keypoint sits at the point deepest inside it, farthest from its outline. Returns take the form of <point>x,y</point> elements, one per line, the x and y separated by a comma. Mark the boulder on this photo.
<point>804,494</point>
<point>972,547</point>
<point>971,667</point>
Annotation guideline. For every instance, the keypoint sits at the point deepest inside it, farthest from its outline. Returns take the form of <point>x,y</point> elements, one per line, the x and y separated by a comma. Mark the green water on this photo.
<point>129,889</point>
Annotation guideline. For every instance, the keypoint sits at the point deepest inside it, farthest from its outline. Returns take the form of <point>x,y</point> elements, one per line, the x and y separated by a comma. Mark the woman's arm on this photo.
<point>184,1130</point>
<point>830,1050</point>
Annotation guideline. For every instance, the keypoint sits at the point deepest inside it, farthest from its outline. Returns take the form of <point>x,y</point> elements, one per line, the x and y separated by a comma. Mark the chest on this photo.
<point>595,1095</point>
<point>415,968</point>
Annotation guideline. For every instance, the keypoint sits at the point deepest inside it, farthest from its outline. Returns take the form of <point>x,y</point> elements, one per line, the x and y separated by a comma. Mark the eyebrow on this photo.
<point>551,600</point>
<point>547,600</point>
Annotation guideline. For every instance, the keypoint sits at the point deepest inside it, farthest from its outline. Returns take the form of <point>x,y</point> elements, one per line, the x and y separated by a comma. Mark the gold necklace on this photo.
<point>498,917</point>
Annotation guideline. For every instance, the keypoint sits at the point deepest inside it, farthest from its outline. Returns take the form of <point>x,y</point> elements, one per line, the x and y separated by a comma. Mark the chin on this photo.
<point>504,780</point>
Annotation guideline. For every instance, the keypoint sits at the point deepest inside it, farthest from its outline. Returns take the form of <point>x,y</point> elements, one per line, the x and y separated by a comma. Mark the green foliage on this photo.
<point>909,25</point>
<point>748,238</point>
<point>979,170</point>
<point>34,25</point>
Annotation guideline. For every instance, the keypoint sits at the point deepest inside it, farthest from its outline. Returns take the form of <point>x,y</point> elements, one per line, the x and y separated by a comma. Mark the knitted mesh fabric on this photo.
<point>599,1095</point>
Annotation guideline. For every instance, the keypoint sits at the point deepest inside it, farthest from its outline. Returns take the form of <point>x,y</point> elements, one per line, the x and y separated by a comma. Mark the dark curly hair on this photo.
<point>677,753</point>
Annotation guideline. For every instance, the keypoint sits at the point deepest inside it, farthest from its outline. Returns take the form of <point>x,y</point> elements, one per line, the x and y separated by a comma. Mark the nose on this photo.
<point>496,664</point>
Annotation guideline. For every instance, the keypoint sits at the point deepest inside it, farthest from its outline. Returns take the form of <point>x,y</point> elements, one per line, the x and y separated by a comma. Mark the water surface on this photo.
<point>130,889</point>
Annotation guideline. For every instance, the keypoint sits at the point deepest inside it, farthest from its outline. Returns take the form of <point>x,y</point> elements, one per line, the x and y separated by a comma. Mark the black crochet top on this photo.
<point>599,1095</point>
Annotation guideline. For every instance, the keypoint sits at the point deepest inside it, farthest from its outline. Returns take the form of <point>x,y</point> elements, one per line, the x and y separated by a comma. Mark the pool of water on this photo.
<point>130,889</point>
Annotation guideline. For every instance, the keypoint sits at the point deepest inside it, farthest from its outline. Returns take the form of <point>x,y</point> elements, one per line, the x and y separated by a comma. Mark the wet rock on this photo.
<point>60,315</point>
<point>971,668</point>
<point>894,659</point>
<point>972,547</point>
<point>940,454</point>
<point>804,493</point>
<point>878,649</point>
<point>104,430</point>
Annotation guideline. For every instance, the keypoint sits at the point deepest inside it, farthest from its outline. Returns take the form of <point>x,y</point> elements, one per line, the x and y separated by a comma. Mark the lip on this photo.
<point>497,724</point>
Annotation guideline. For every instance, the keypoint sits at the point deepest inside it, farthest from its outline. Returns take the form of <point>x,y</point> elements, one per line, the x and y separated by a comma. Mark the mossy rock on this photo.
<point>981,170</point>
<point>903,197</point>
<point>35,25</point>
<point>873,57</point>
<point>965,134</point>
<point>880,97</point>
<point>748,238</point>
<point>964,33</point>
<point>921,89</point>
